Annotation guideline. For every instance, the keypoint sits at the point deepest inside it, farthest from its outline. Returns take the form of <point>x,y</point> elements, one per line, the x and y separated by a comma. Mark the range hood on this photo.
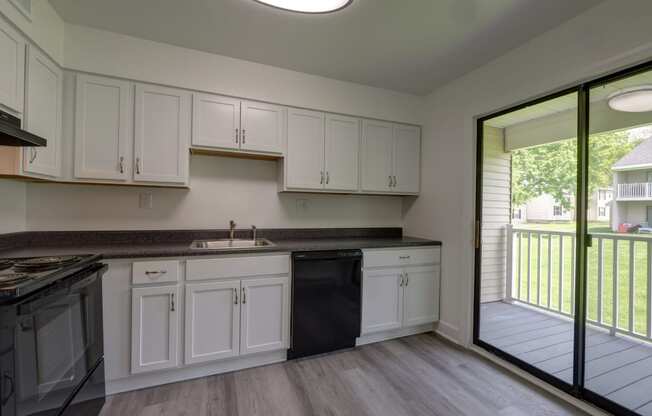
<point>12,135</point>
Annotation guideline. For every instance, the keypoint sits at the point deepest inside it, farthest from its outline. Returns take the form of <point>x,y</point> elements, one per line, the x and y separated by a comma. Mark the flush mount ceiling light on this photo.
<point>632,100</point>
<point>308,6</point>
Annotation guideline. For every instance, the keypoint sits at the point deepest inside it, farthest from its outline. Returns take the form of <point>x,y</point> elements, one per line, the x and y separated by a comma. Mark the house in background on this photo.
<point>633,187</point>
<point>546,209</point>
<point>600,205</point>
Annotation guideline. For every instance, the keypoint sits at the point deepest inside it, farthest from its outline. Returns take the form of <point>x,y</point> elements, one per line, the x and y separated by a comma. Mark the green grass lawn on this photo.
<point>639,265</point>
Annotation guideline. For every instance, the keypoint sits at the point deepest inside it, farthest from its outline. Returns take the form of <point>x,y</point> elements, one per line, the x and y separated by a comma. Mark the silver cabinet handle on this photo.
<point>121,164</point>
<point>395,181</point>
<point>403,257</point>
<point>328,177</point>
<point>407,279</point>
<point>244,138</point>
<point>244,296</point>
<point>155,272</point>
<point>138,166</point>
<point>390,180</point>
<point>235,292</point>
<point>236,135</point>
<point>401,283</point>
<point>321,181</point>
<point>172,302</point>
<point>33,154</point>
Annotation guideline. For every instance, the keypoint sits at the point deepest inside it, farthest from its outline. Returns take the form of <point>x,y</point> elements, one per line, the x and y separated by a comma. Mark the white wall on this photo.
<point>103,52</point>
<point>45,28</point>
<point>606,37</point>
<point>221,189</point>
<point>12,206</point>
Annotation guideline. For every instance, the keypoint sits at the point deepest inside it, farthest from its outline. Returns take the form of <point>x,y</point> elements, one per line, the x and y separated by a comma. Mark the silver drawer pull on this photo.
<point>403,257</point>
<point>154,274</point>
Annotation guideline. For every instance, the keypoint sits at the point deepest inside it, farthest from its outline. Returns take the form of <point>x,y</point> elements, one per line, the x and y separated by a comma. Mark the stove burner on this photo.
<point>5,264</point>
<point>39,264</point>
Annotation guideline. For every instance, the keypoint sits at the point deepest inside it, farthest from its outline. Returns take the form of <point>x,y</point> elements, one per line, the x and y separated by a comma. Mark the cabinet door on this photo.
<point>382,300</point>
<point>43,114</point>
<point>162,134</point>
<point>304,161</point>
<point>215,121</point>
<point>407,158</point>
<point>377,148</point>
<point>342,152</point>
<point>103,112</point>
<point>263,127</point>
<point>154,328</point>
<point>265,314</point>
<point>12,67</point>
<point>212,321</point>
<point>421,292</point>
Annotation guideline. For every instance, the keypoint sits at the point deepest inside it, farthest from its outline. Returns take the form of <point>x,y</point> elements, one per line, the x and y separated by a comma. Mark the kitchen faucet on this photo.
<point>232,229</point>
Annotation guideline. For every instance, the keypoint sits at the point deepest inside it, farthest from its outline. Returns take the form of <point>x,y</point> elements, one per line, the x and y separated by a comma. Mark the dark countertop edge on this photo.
<point>132,251</point>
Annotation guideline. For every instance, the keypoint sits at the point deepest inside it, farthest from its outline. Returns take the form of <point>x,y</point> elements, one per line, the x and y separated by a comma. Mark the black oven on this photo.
<point>51,348</point>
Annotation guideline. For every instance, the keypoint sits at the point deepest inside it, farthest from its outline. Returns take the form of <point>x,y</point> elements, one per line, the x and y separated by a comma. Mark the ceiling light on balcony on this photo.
<point>308,6</point>
<point>632,100</point>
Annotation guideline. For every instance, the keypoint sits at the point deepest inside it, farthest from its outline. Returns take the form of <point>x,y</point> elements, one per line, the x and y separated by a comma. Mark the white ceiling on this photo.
<point>412,46</point>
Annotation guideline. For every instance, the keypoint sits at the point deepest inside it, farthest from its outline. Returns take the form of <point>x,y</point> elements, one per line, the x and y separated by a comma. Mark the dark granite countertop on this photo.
<point>135,244</point>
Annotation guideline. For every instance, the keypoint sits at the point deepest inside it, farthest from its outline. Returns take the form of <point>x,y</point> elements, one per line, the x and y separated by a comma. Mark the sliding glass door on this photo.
<point>528,235</point>
<point>563,285</point>
<point>618,358</point>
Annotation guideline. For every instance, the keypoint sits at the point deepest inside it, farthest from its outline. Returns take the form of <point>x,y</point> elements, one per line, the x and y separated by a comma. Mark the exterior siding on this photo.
<point>496,196</point>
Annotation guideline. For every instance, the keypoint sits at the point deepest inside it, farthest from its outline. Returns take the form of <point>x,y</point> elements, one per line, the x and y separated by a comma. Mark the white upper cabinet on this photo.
<point>265,314</point>
<point>162,134</point>
<point>215,121</point>
<point>304,158</point>
<point>212,321</point>
<point>377,156</point>
<point>154,327</point>
<point>263,127</point>
<point>342,152</point>
<point>103,114</point>
<point>12,67</point>
<point>43,114</point>
<point>407,157</point>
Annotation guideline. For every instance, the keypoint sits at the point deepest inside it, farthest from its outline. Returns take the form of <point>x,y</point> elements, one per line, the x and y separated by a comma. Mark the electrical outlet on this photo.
<point>145,200</point>
<point>303,205</point>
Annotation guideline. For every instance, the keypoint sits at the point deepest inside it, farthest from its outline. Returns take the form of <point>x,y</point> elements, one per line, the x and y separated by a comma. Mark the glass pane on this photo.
<point>618,348</point>
<point>529,182</point>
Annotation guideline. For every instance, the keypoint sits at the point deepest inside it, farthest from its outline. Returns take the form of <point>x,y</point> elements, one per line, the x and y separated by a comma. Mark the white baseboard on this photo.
<point>448,331</point>
<point>157,378</point>
<point>396,333</point>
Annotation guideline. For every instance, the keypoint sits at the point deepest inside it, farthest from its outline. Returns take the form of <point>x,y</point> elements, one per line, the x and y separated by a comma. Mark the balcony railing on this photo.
<point>634,191</point>
<point>541,271</point>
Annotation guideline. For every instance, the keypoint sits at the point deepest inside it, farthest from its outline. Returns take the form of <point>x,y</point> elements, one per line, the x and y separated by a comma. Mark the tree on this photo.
<point>552,168</point>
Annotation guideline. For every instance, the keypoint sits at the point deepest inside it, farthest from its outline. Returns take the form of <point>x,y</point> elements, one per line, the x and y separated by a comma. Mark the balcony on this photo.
<point>641,191</point>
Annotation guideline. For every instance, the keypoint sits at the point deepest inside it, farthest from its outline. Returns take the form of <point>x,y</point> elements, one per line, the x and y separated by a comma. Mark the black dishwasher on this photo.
<point>326,301</point>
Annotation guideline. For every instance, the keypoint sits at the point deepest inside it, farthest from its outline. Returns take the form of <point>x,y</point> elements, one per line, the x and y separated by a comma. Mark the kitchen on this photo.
<point>205,210</point>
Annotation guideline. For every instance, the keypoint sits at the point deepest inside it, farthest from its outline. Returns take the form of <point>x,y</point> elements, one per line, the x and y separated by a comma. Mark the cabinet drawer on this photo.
<point>401,257</point>
<point>202,269</point>
<point>155,272</point>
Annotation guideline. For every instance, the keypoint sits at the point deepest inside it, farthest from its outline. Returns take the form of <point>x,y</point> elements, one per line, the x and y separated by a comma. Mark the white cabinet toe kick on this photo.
<point>167,320</point>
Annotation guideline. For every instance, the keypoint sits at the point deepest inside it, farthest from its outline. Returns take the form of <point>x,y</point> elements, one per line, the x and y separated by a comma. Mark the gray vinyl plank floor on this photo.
<point>411,376</point>
<point>618,368</point>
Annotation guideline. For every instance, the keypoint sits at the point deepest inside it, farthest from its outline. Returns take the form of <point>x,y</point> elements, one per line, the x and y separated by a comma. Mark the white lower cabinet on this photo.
<point>231,312</point>
<point>265,314</point>
<point>212,321</point>
<point>400,295</point>
<point>154,328</point>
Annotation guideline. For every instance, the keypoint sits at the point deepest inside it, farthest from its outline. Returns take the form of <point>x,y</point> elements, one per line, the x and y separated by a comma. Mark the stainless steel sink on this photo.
<point>228,244</point>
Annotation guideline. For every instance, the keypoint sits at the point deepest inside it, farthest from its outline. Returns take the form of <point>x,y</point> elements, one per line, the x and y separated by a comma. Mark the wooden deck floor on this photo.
<point>617,368</point>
